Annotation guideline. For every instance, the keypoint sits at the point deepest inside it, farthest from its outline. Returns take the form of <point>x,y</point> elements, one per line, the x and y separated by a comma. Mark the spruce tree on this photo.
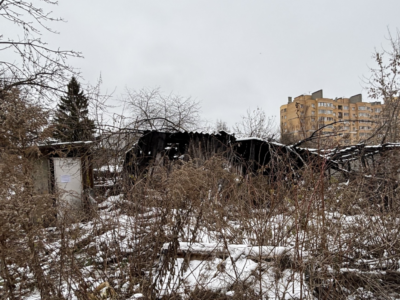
<point>71,119</point>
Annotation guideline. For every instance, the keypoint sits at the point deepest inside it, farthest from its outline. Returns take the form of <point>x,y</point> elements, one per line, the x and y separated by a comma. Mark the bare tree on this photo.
<point>22,124</point>
<point>21,127</point>
<point>34,65</point>
<point>221,125</point>
<point>384,84</point>
<point>153,110</point>
<point>145,109</point>
<point>256,124</point>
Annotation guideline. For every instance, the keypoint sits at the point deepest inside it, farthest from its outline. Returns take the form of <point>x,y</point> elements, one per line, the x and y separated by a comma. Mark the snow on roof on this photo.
<point>253,138</point>
<point>249,138</point>
<point>66,143</point>
<point>348,153</point>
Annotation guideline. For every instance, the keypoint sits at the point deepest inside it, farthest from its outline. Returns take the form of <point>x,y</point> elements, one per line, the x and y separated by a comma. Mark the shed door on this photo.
<point>68,181</point>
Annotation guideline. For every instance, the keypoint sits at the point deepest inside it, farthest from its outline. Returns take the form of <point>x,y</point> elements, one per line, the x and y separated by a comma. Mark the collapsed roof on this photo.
<point>249,155</point>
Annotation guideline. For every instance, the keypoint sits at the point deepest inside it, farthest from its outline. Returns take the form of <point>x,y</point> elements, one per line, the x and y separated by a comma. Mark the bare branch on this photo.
<point>36,67</point>
<point>154,111</point>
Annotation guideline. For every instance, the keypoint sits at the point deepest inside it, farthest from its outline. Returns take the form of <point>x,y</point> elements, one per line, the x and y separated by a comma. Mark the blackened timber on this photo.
<point>154,145</point>
<point>251,155</point>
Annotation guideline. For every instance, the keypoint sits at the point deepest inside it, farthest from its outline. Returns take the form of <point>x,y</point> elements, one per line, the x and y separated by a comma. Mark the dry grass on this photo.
<point>340,242</point>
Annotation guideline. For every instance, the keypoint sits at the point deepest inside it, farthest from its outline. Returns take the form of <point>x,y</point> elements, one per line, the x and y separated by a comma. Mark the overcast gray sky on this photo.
<point>230,55</point>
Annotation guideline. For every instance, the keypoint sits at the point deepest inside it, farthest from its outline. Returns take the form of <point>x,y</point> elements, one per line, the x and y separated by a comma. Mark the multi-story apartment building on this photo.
<point>354,120</point>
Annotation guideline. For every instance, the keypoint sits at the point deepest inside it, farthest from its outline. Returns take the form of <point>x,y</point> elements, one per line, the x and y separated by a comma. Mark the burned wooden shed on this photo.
<point>247,155</point>
<point>254,155</point>
<point>156,147</point>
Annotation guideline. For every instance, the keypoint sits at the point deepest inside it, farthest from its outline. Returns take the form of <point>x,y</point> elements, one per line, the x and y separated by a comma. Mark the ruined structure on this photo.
<point>253,155</point>
<point>379,161</point>
<point>249,155</point>
<point>156,147</point>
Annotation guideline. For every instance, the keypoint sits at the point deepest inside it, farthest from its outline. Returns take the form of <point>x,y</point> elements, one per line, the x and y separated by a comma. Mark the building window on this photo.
<point>346,114</point>
<point>377,110</point>
<point>325,119</point>
<point>353,108</point>
<point>313,113</point>
<point>325,104</point>
<point>325,111</point>
<point>362,108</point>
<point>313,105</point>
<point>363,115</point>
<point>345,107</point>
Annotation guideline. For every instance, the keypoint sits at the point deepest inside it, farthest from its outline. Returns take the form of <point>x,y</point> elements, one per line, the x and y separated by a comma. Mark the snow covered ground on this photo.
<point>147,250</point>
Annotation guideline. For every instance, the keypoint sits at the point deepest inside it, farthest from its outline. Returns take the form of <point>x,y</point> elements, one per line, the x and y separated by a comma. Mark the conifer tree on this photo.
<point>71,120</point>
